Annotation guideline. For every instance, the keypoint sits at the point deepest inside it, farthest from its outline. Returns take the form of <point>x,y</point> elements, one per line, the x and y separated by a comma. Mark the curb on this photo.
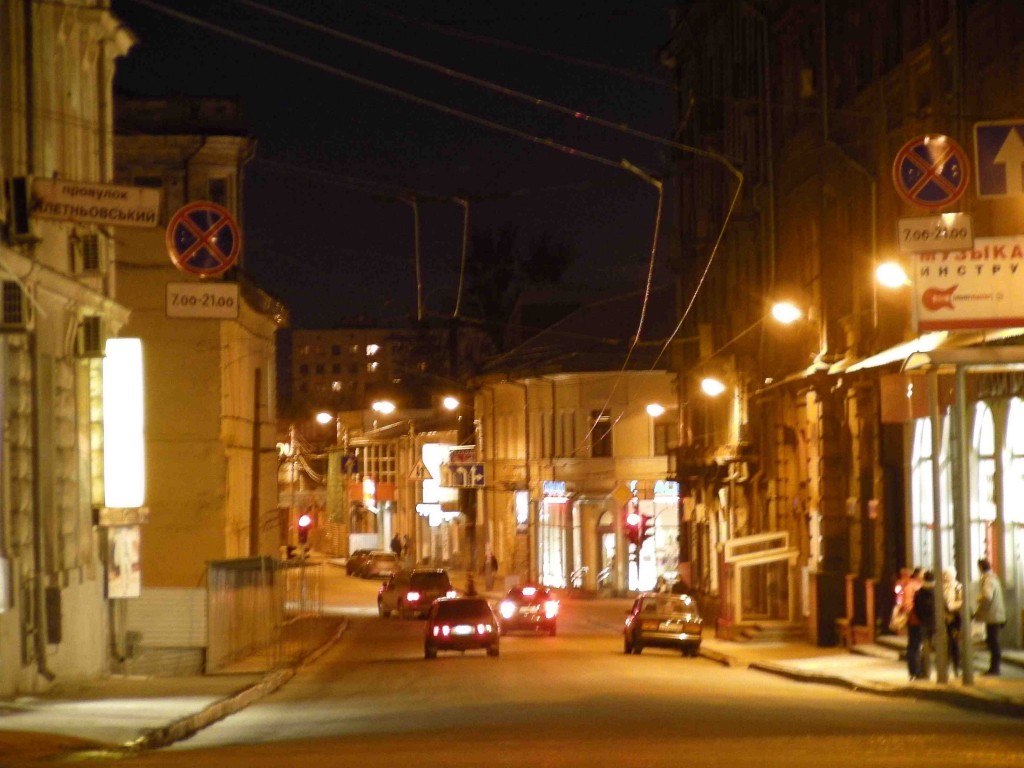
<point>185,727</point>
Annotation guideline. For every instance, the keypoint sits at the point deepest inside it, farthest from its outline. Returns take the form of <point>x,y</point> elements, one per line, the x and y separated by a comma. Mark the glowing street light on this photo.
<point>451,403</point>
<point>786,312</point>
<point>383,407</point>
<point>655,410</point>
<point>324,417</point>
<point>891,274</point>
<point>711,386</point>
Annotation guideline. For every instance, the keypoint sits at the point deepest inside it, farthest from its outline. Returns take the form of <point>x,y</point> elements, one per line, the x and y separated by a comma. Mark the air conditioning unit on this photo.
<point>91,339</point>
<point>86,256</point>
<point>19,205</point>
<point>15,308</point>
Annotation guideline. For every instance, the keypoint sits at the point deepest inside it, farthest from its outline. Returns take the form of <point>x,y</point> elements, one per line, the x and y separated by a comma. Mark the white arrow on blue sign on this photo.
<point>999,158</point>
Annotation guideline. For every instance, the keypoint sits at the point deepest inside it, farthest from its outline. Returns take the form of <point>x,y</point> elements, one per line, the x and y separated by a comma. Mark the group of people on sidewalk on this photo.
<point>915,610</point>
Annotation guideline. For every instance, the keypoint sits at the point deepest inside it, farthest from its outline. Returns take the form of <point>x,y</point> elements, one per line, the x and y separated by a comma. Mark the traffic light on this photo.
<point>646,528</point>
<point>305,521</point>
<point>634,522</point>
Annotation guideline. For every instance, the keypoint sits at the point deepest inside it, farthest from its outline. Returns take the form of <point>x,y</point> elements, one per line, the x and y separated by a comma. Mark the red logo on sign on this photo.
<point>935,299</point>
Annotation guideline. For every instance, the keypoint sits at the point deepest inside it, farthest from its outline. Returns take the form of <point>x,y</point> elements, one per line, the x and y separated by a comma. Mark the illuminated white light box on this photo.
<point>124,446</point>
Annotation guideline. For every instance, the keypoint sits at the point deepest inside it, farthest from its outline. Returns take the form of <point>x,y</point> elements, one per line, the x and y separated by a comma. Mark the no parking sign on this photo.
<point>930,171</point>
<point>203,239</point>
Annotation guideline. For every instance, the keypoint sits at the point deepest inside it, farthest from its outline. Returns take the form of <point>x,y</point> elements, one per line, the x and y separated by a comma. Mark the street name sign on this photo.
<point>999,158</point>
<point>88,203</point>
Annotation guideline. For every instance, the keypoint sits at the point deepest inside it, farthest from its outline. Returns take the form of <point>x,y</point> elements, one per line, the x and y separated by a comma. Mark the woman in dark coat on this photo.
<point>921,627</point>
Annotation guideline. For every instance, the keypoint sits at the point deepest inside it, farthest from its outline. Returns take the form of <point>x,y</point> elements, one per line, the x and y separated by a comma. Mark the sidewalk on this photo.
<point>120,714</point>
<point>876,668</point>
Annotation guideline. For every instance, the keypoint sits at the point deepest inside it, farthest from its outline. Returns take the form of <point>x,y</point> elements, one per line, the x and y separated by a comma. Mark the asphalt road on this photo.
<point>572,700</point>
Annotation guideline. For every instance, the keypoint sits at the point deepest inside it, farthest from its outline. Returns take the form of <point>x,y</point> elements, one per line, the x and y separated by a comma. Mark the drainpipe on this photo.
<point>39,574</point>
<point>38,551</point>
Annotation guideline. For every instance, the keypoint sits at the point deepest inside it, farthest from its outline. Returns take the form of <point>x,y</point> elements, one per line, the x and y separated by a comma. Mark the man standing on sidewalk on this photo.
<point>992,611</point>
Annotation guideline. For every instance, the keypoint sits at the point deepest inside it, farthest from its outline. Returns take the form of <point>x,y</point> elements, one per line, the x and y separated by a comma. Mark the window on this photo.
<point>600,434</point>
<point>335,349</point>
<point>372,349</point>
<point>335,367</point>
<point>336,386</point>
<point>319,368</point>
<point>217,191</point>
<point>566,433</point>
<point>663,442</point>
<point>372,367</point>
<point>304,369</point>
<point>983,483</point>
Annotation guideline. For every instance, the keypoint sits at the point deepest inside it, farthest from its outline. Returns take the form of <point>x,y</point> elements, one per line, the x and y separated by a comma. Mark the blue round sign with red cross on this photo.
<point>931,171</point>
<point>203,239</point>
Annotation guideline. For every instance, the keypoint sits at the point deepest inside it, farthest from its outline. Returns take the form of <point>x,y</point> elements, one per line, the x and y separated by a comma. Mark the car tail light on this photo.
<point>412,597</point>
<point>550,609</point>
<point>442,629</point>
<point>529,591</point>
<point>507,609</point>
<point>451,593</point>
<point>483,629</point>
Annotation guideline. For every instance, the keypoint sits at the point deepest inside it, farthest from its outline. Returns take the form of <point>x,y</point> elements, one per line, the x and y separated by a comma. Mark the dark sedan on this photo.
<point>529,607</point>
<point>460,624</point>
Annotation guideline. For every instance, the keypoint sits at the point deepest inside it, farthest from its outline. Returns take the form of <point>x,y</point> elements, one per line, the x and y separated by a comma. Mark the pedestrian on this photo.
<point>992,611</point>
<point>396,546</point>
<point>492,569</point>
<point>953,599</point>
<point>407,553</point>
<point>921,628</point>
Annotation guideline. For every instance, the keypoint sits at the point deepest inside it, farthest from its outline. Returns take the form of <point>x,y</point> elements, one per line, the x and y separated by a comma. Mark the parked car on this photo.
<point>664,620</point>
<point>378,565</point>
<point>356,559</point>
<point>529,607</point>
<point>410,591</point>
<point>460,624</point>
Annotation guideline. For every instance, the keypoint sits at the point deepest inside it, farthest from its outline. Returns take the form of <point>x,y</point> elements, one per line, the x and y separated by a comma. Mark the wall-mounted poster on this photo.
<point>124,571</point>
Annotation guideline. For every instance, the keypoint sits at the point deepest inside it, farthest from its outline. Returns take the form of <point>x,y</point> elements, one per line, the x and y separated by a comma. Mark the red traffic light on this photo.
<point>305,520</point>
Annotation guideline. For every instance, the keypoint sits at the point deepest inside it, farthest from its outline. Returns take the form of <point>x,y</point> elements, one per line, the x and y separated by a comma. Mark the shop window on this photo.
<point>983,482</point>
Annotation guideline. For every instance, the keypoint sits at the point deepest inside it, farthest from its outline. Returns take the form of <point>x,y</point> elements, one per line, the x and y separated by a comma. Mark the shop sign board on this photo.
<point>974,288</point>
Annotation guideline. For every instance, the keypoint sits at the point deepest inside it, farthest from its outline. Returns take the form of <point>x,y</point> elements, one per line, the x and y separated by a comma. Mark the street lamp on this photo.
<point>891,274</point>
<point>711,386</point>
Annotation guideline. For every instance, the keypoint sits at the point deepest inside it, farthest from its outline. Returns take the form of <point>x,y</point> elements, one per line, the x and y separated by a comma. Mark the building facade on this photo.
<point>54,611</point>
<point>210,397</point>
<point>816,436</point>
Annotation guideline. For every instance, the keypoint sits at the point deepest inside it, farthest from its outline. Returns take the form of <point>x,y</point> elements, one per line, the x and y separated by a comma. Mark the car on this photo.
<point>379,565</point>
<point>356,559</point>
<point>460,624</point>
<point>529,607</point>
<point>410,591</point>
<point>664,620</point>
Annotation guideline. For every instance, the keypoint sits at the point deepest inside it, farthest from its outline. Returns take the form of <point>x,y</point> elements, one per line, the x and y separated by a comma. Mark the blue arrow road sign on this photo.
<point>999,158</point>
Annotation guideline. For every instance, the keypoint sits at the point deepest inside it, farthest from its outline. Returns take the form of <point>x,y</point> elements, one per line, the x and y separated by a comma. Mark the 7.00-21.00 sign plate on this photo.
<point>204,301</point>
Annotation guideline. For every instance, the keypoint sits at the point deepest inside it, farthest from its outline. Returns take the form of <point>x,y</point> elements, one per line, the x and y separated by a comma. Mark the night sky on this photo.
<point>326,230</point>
